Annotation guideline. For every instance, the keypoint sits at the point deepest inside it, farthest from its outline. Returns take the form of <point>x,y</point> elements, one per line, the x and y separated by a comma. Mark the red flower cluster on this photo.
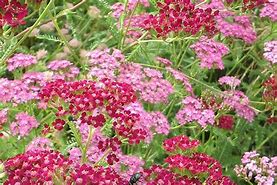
<point>114,145</point>
<point>270,92</point>
<point>159,175</point>
<point>181,142</point>
<point>226,122</point>
<point>12,12</point>
<point>35,167</point>
<point>181,16</point>
<point>85,174</point>
<point>93,103</point>
<point>194,164</point>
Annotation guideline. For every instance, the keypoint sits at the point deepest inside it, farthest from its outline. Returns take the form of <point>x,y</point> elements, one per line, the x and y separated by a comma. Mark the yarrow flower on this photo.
<point>93,103</point>
<point>181,142</point>
<point>270,91</point>
<point>261,169</point>
<point>231,25</point>
<point>163,61</point>
<point>210,53</point>
<point>35,167</point>
<point>150,122</point>
<point>270,10</point>
<point>229,80</point>
<point>103,64</point>
<point>40,143</point>
<point>12,12</point>
<point>226,122</point>
<point>3,117</point>
<point>178,75</point>
<point>238,101</point>
<point>15,91</point>
<point>178,16</point>
<point>63,69</point>
<point>20,60</point>
<point>23,124</point>
<point>193,111</point>
<point>270,51</point>
<point>148,82</point>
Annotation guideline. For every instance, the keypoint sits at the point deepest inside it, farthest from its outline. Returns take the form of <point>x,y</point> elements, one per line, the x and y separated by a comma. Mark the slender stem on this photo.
<point>266,140</point>
<point>85,149</point>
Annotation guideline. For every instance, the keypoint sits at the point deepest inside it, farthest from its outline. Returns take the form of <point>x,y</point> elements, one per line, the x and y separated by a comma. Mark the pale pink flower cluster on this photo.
<point>128,165</point>
<point>164,61</point>
<point>15,91</point>
<point>63,69</point>
<point>240,26</point>
<point>270,10</point>
<point>238,101</point>
<point>193,111</point>
<point>103,64</point>
<point>40,143</point>
<point>148,82</point>
<point>178,75</point>
<point>3,116</point>
<point>118,8</point>
<point>210,53</point>
<point>35,80</point>
<point>20,60</point>
<point>270,51</point>
<point>261,169</point>
<point>23,124</point>
<point>229,80</point>
<point>150,122</point>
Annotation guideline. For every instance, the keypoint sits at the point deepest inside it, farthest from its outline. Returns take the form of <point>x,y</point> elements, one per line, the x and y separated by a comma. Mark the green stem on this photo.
<point>266,140</point>
<point>84,152</point>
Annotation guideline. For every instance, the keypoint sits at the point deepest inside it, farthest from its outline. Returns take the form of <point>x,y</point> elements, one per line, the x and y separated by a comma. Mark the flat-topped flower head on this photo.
<point>210,53</point>
<point>230,81</point>
<point>270,51</point>
<point>20,60</point>
<point>181,142</point>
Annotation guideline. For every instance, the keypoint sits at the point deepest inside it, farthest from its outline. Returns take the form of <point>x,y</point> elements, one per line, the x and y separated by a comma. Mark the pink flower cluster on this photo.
<point>15,91</point>
<point>103,64</point>
<point>210,53</point>
<point>261,169</point>
<point>193,111</point>
<point>270,10</point>
<point>150,122</point>
<point>118,8</point>
<point>39,143</point>
<point>239,26</point>
<point>23,124</point>
<point>238,101</point>
<point>63,69</point>
<point>20,60</point>
<point>164,61</point>
<point>3,117</point>
<point>229,80</point>
<point>270,51</point>
<point>148,82</point>
<point>178,75</point>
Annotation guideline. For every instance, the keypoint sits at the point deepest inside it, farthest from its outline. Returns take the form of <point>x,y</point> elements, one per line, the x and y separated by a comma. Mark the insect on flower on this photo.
<point>134,178</point>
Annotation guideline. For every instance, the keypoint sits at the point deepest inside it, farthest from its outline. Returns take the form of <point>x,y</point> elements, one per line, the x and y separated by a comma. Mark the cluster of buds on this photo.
<point>181,16</point>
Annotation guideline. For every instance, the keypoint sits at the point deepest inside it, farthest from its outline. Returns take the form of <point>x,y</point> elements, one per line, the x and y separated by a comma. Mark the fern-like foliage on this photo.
<point>49,38</point>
